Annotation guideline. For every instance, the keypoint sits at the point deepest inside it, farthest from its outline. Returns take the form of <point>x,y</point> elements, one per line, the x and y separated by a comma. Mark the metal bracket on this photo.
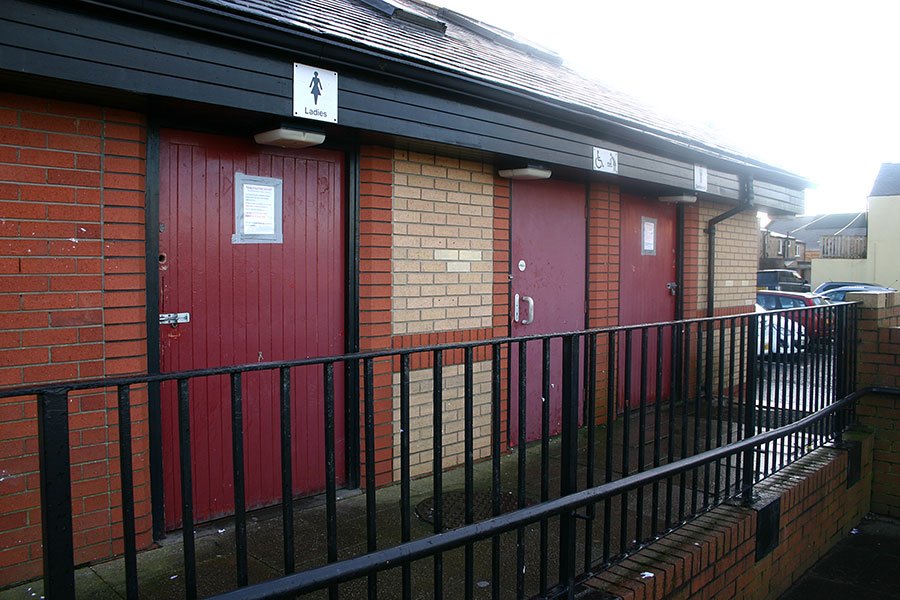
<point>174,318</point>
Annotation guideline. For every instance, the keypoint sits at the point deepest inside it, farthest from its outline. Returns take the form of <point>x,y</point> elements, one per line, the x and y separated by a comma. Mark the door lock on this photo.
<point>672,287</point>
<point>174,318</point>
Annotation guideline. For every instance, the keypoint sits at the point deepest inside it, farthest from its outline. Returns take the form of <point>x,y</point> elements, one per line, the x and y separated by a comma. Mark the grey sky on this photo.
<point>811,86</point>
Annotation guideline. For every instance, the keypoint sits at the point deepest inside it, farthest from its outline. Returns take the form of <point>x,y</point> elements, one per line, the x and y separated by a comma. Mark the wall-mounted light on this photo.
<point>526,173</point>
<point>680,199</point>
<point>284,137</point>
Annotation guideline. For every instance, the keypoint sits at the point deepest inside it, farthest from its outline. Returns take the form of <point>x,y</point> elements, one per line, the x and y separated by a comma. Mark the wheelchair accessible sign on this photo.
<point>315,93</point>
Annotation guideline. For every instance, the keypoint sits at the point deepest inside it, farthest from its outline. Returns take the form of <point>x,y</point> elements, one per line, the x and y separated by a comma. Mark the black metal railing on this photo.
<point>640,429</point>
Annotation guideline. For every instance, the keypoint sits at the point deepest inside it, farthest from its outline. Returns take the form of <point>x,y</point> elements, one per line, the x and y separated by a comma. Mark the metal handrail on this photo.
<point>352,568</point>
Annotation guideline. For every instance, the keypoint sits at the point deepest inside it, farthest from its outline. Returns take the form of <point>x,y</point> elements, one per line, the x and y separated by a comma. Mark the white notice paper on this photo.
<point>259,209</point>
<point>649,236</point>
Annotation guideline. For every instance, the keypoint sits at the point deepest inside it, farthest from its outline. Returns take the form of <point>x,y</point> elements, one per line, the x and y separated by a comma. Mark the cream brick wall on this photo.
<point>421,406</point>
<point>442,259</point>
<point>737,249</point>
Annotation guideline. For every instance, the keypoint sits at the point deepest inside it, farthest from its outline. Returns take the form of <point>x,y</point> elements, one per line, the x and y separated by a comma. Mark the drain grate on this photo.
<point>454,507</point>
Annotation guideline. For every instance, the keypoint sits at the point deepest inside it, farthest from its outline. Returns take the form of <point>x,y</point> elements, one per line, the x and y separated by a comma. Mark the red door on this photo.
<point>647,255</point>
<point>248,303</point>
<point>548,274</point>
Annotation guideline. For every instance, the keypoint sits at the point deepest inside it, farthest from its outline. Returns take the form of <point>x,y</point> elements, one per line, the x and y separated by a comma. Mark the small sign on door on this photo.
<point>648,236</point>
<point>257,210</point>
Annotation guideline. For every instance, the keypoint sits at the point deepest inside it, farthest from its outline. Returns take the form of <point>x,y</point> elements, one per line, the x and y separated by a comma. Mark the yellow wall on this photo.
<point>884,240</point>
<point>882,265</point>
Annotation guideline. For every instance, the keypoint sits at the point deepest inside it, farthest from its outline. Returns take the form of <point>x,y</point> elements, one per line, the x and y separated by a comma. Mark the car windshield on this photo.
<point>819,301</point>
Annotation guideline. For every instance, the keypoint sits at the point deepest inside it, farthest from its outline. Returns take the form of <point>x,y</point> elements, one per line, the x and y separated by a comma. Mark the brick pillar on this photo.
<point>376,167</point>
<point>878,356</point>
<point>603,276</point>
<point>501,288</point>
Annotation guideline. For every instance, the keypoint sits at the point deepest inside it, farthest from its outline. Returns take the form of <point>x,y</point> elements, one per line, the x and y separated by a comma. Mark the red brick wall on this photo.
<point>714,556</point>
<point>72,306</point>
<point>375,168</point>
<point>501,289</point>
<point>878,356</point>
<point>603,276</point>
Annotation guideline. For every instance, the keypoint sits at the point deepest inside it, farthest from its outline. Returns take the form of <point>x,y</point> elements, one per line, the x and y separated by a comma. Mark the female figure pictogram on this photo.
<point>316,87</point>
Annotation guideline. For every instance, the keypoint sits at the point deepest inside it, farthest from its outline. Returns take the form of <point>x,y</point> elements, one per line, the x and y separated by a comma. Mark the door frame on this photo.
<point>351,304</point>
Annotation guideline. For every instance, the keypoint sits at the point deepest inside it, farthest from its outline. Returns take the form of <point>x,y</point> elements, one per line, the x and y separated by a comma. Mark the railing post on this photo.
<point>753,339</point>
<point>56,494</point>
<point>840,369</point>
<point>569,460</point>
<point>840,354</point>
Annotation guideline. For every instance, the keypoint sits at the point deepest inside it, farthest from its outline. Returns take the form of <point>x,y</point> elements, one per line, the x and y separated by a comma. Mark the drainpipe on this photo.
<point>679,261</point>
<point>746,197</point>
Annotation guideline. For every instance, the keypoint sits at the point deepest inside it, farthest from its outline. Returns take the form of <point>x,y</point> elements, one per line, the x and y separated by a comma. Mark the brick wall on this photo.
<point>603,277</point>
<point>737,240</point>
<point>442,255</point>
<point>376,166</point>
<point>714,556</point>
<point>72,306</point>
<point>421,407</point>
<point>447,285</point>
<point>878,359</point>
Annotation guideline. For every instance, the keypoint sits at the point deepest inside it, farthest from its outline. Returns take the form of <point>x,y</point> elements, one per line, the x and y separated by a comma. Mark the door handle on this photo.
<point>516,309</point>
<point>530,302</point>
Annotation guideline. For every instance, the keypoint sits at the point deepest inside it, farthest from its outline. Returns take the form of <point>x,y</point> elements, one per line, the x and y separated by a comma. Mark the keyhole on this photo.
<point>162,259</point>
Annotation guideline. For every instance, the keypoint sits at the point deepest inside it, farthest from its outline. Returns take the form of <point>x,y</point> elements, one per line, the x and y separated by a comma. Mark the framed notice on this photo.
<point>648,236</point>
<point>257,210</point>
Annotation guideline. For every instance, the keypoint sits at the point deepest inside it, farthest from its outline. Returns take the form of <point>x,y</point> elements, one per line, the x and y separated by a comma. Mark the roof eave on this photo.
<point>271,34</point>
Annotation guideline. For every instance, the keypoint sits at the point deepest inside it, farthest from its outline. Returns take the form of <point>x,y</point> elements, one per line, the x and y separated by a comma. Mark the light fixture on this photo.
<point>680,199</point>
<point>526,173</point>
<point>284,137</point>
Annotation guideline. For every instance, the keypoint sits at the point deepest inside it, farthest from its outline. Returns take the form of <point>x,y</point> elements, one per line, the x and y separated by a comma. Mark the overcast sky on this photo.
<point>810,86</point>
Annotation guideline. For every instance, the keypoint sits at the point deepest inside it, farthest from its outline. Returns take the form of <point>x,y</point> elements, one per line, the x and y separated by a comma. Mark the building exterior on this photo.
<point>869,256</point>
<point>134,184</point>
<point>780,251</point>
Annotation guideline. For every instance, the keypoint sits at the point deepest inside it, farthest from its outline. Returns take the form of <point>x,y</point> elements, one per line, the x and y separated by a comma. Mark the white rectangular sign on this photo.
<point>259,209</point>
<point>606,161</point>
<point>648,235</point>
<point>701,178</point>
<point>315,93</point>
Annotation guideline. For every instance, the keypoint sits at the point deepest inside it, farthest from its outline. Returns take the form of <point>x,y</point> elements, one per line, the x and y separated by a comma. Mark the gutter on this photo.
<point>746,195</point>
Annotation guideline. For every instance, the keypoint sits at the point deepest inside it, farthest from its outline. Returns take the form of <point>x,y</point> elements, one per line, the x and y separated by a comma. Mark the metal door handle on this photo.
<point>530,302</point>
<point>516,309</point>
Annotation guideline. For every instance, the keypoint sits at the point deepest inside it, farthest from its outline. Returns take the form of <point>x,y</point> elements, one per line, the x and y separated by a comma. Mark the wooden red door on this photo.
<point>248,303</point>
<point>647,263</point>
<point>549,229</point>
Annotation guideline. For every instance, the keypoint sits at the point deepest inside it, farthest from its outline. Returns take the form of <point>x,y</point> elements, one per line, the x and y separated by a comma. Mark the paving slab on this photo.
<point>865,564</point>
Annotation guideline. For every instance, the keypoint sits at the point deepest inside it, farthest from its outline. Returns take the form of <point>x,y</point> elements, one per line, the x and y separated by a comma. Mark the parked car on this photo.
<point>839,294</point>
<point>778,336</point>
<point>818,322</point>
<point>781,279</point>
<point>830,285</point>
